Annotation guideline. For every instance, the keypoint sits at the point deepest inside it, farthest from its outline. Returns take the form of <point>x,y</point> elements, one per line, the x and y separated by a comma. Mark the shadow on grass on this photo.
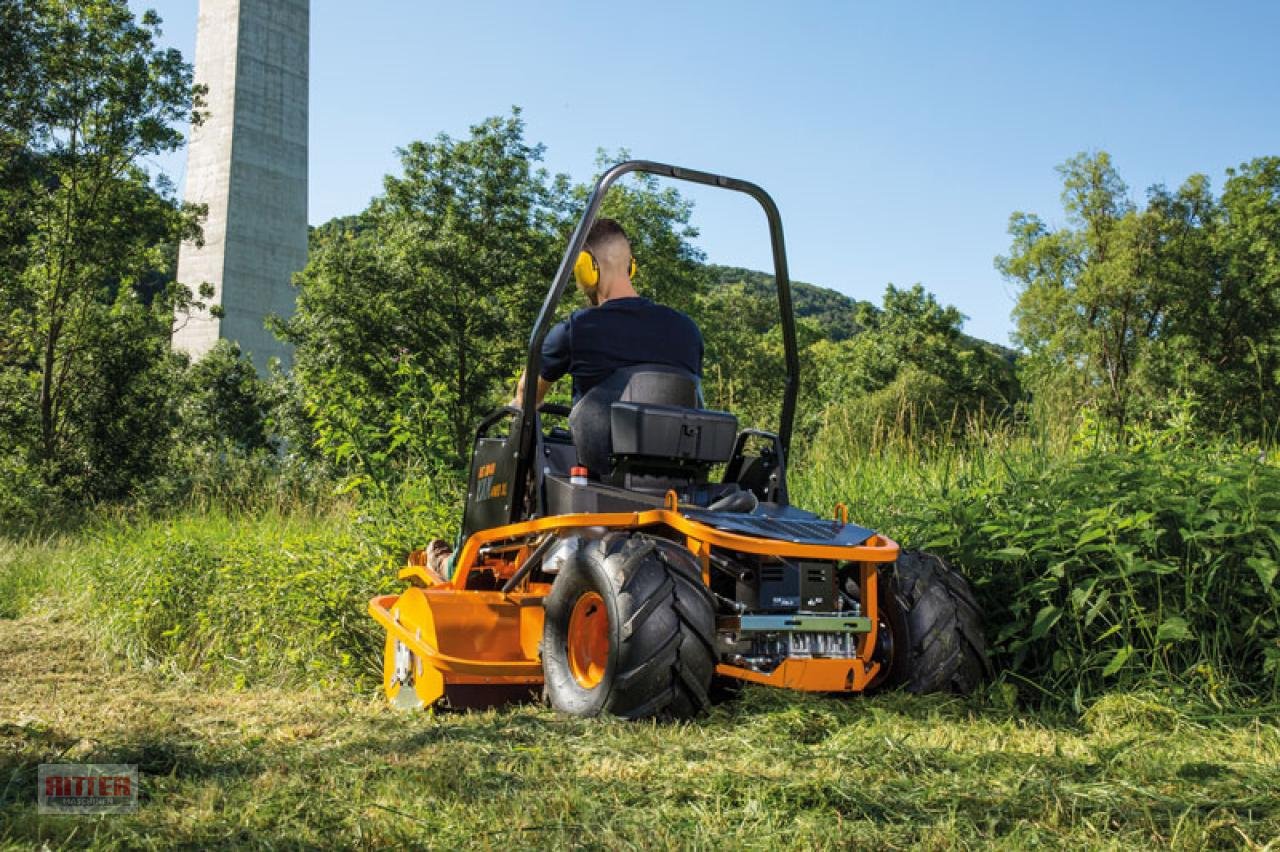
<point>414,779</point>
<point>28,746</point>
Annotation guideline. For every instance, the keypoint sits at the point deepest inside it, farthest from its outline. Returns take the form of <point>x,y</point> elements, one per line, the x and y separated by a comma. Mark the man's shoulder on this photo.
<point>674,316</point>
<point>627,311</point>
<point>575,316</point>
<point>644,303</point>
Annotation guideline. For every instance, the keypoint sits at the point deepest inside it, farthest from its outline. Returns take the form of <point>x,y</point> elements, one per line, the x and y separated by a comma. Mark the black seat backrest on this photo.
<point>654,388</point>
<point>590,421</point>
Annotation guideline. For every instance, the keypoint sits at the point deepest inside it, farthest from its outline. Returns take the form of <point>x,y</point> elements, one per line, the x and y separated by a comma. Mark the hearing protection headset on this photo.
<point>586,271</point>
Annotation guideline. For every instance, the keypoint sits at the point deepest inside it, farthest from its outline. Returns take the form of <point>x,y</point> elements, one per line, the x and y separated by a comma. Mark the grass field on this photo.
<point>290,767</point>
<point>227,653</point>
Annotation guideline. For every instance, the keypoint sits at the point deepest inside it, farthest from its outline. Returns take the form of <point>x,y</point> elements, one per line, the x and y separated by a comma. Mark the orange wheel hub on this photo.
<point>589,640</point>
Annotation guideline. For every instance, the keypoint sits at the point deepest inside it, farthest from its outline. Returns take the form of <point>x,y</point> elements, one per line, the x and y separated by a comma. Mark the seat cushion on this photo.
<point>590,419</point>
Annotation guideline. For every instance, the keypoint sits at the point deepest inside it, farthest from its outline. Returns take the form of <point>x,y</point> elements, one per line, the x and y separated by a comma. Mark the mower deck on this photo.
<point>469,637</point>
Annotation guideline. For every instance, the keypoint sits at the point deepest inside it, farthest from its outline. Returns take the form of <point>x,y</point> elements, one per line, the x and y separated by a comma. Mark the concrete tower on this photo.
<point>248,163</point>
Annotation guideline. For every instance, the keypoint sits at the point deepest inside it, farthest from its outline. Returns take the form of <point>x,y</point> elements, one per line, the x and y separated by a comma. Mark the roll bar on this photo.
<point>578,241</point>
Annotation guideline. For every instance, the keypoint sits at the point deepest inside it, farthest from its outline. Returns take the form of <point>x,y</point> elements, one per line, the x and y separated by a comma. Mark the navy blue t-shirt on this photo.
<point>593,342</point>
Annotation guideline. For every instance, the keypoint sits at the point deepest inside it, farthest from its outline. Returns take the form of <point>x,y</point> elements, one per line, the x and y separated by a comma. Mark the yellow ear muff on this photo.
<point>585,270</point>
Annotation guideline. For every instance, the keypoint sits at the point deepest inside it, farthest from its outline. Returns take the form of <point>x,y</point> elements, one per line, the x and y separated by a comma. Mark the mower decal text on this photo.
<point>485,489</point>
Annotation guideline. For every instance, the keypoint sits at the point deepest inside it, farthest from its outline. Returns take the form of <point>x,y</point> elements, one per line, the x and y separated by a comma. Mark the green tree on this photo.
<point>740,373</point>
<point>225,404</point>
<point>1080,313</point>
<point>409,325</point>
<point>1127,307</point>
<point>914,347</point>
<point>1238,358</point>
<point>413,318</point>
<point>87,96</point>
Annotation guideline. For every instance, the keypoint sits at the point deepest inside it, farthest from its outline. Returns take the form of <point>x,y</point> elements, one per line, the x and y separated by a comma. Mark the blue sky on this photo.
<point>896,137</point>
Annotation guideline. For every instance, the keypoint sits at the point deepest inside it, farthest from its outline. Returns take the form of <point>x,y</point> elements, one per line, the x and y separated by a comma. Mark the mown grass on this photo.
<point>291,768</point>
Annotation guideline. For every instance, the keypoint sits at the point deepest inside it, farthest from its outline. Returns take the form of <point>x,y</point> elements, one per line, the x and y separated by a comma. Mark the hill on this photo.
<point>835,313</point>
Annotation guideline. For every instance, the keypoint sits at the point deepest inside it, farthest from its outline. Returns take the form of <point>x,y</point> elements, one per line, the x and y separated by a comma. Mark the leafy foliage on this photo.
<point>413,318</point>
<point>1126,307</point>
<point>1117,565</point>
<point>225,404</point>
<point>407,324</point>
<point>744,365</point>
<point>909,368</point>
<point>870,368</point>
<point>83,337</point>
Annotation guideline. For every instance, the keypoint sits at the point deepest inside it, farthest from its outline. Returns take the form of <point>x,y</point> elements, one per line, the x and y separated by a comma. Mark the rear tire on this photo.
<point>935,638</point>
<point>651,652</point>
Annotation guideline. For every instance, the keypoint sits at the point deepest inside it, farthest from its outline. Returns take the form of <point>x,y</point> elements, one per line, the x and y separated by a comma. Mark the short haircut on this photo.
<point>605,231</point>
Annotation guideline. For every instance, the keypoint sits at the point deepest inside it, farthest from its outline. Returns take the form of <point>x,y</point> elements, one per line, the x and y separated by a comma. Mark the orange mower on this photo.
<point>641,590</point>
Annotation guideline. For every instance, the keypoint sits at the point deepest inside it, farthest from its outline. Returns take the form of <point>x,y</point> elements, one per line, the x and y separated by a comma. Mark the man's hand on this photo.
<point>543,387</point>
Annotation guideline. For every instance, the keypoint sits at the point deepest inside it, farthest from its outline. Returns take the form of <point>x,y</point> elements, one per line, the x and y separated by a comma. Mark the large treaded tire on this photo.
<point>935,623</point>
<point>661,627</point>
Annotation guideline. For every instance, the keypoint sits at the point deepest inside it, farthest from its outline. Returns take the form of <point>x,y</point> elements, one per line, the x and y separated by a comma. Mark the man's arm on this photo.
<point>543,387</point>
<point>555,363</point>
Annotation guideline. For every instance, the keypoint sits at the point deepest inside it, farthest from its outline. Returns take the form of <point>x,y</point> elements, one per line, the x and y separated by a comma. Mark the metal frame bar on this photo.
<point>791,388</point>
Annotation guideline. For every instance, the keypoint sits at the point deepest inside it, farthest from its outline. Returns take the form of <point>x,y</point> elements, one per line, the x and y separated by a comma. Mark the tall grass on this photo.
<point>241,599</point>
<point>274,593</point>
<point>265,596</point>
<point>1150,558</point>
<point>1102,560</point>
<point>29,570</point>
<point>881,470</point>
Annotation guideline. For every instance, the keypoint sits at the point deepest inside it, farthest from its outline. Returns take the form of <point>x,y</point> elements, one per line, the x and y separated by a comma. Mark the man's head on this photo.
<point>605,267</point>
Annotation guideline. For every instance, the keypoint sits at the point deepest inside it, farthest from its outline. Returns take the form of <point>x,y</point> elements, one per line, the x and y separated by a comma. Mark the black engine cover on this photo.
<point>797,586</point>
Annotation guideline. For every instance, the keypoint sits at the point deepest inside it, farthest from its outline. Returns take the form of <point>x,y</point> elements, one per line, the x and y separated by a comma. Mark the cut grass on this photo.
<point>294,768</point>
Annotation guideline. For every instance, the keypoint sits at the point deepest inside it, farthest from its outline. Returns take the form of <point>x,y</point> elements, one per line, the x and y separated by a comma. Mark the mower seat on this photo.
<point>591,421</point>
<point>648,411</point>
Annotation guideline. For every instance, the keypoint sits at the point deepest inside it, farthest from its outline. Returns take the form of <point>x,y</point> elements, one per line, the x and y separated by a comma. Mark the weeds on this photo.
<point>1102,563</point>
<point>1126,566</point>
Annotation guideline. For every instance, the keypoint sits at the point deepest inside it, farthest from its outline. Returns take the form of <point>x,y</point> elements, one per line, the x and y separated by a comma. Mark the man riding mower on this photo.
<point>600,565</point>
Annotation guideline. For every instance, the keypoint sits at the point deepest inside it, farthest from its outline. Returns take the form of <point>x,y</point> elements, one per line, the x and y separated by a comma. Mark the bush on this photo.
<point>1155,560</point>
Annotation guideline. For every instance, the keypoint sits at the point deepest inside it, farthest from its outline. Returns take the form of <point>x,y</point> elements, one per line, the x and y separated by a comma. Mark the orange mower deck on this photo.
<point>481,647</point>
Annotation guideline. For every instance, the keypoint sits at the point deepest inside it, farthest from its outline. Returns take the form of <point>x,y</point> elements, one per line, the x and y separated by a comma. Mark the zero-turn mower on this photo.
<point>631,592</point>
